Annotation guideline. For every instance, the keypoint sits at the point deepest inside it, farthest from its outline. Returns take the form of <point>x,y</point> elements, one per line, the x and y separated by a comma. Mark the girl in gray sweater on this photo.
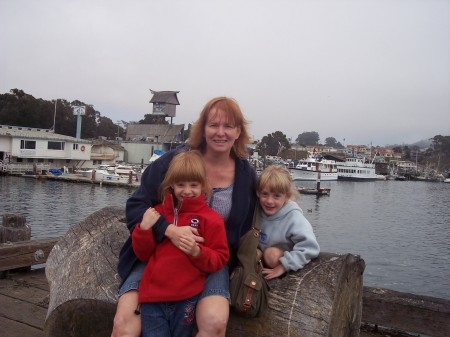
<point>287,241</point>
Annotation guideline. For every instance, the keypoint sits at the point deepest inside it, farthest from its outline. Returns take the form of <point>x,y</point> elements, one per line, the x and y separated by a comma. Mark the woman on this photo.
<point>221,135</point>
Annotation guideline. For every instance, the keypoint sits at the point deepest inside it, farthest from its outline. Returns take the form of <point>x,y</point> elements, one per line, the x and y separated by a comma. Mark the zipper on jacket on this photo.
<point>176,211</point>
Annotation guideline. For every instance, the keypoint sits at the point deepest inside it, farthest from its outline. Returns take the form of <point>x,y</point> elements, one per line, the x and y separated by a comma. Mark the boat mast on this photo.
<point>54,117</point>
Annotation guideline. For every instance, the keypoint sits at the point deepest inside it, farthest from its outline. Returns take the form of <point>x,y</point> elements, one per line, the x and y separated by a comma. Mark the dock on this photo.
<point>23,303</point>
<point>24,300</point>
<point>25,292</point>
<point>77,178</point>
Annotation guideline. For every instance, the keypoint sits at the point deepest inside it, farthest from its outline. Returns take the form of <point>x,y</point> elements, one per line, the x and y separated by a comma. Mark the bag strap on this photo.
<point>255,222</point>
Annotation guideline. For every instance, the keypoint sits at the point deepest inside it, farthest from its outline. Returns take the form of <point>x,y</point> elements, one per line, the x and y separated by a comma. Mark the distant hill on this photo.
<point>422,144</point>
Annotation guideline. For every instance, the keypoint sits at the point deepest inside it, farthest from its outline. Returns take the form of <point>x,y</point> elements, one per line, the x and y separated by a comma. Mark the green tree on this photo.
<point>273,144</point>
<point>107,128</point>
<point>308,138</point>
<point>153,119</point>
<point>331,142</point>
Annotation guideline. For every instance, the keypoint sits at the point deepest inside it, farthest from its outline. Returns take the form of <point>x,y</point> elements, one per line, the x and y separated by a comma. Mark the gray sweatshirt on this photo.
<point>291,232</point>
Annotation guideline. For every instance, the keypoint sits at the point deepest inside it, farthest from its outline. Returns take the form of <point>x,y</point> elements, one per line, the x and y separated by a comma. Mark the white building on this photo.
<point>24,145</point>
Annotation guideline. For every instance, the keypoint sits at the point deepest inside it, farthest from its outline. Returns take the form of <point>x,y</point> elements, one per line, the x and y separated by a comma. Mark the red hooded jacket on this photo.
<point>171,275</point>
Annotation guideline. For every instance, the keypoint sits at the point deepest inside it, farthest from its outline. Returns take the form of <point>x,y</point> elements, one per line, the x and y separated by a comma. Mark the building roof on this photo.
<point>36,133</point>
<point>160,133</point>
<point>165,97</point>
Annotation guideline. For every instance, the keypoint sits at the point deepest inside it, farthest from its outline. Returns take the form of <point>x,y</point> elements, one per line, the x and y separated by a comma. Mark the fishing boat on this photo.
<point>315,167</point>
<point>356,169</point>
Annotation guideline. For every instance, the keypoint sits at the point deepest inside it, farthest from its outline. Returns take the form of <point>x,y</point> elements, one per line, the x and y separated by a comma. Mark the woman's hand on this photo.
<point>175,233</point>
<point>272,273</point>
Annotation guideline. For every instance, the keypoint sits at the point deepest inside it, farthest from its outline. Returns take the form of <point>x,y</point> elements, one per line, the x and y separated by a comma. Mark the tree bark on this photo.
<point>323,299</point>
<point>82,274</point>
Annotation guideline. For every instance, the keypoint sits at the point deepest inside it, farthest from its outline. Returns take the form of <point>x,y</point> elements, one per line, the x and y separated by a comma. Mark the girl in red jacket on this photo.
<point>174,276</point>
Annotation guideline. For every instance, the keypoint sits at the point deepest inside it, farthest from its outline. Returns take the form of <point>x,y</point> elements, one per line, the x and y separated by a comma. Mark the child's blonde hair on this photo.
<point>186,166</point>
<point>277,179</point>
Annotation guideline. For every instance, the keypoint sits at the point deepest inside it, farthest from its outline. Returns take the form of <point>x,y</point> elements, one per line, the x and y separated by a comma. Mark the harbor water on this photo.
<point>400,228</point>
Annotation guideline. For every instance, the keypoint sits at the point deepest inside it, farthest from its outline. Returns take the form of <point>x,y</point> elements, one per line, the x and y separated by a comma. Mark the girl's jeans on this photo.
<point>167,319</point>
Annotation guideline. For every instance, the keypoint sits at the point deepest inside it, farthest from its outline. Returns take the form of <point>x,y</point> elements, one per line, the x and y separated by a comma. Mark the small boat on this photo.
<point>156,154</point>
<point>125,170</point>
<point>320,191</point>
<point>102,172</point>
<point>314,167</point>
<point>447,180</point>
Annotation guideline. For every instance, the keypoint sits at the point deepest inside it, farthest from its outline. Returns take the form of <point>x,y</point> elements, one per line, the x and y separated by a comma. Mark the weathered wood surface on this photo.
<point>324,299</point>
<point>14,228</point>
<point>407,312</point>
<point>24,303</point>
<point>81,271</point>
<point>25,253</point>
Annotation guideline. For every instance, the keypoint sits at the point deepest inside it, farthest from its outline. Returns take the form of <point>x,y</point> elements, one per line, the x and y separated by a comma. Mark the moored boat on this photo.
<point>308,169</point>
<point>102,172</point>
<point>356,169</point>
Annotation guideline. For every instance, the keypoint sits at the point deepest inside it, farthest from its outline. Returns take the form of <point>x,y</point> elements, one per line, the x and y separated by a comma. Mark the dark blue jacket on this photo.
<point>148,195</point>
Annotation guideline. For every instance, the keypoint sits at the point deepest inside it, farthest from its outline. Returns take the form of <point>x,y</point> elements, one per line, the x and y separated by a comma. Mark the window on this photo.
<point>55,145</point>
<point>28,144</point>
<point>75,147</point>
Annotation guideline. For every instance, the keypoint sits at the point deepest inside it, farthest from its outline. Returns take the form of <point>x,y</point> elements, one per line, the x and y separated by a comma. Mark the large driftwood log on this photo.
<point>81,271</point>
<point>323,299</point>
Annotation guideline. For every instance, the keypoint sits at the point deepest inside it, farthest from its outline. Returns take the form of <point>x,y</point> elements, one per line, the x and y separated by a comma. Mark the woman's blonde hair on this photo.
<point>277,179</point>
<point>233,115</point>
<point>186,166</point>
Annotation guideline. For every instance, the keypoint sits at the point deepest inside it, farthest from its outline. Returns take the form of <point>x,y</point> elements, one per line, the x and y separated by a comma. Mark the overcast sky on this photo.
<point>361,70</point>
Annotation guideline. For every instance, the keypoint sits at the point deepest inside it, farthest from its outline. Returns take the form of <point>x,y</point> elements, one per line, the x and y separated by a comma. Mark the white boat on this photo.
<point>156,154</point>
<point>447,180</point>
<point>356,169</point>
<point>125,170</point>
<point>102,172</point>
<point>308,169</point>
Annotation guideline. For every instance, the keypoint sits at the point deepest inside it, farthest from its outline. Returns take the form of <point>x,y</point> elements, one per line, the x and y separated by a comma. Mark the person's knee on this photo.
<point>126,323</point>
<point>212,316</point>
<point>272,256</point>
<point>215,326</point>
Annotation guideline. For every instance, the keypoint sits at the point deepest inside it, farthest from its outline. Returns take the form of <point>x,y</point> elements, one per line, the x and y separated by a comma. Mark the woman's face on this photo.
<point>220,134</point>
